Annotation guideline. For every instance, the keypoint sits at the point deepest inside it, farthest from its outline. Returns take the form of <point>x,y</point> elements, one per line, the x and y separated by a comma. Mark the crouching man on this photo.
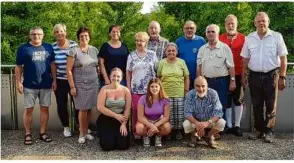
<point>203,112</point>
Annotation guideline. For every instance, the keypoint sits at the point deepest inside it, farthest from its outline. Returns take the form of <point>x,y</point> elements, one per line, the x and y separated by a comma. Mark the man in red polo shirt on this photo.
<point>235,41</point>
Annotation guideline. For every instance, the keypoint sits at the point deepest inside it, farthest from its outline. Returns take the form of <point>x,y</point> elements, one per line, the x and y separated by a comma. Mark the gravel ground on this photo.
<point>232,148</point>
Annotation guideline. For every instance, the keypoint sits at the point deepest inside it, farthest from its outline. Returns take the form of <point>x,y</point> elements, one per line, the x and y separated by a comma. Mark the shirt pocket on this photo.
<point>270,49</point>
<point>253,50</point>
<point>218,60</point>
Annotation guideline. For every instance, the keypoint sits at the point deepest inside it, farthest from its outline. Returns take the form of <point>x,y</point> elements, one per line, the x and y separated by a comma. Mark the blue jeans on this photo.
<point>221,85</point>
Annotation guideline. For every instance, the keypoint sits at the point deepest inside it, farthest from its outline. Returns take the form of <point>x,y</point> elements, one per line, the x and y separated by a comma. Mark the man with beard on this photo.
<point>235,41</point>
<point>156,42</point>
<point>203,111</point>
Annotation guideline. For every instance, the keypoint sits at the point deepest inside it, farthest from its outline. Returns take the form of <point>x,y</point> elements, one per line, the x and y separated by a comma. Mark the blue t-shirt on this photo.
<point>188,51</point>
<point>36,62</point>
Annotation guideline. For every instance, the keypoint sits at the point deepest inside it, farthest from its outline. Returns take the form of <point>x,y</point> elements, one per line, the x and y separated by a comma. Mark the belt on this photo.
<point>217,78</point>
<point>263,73</point>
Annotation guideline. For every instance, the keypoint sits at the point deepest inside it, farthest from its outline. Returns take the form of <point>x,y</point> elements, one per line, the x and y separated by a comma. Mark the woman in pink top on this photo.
<point>153,113</point>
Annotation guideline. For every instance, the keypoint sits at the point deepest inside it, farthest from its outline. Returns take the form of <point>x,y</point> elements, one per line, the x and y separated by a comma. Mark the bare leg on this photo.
<point>27,119</point>
<point>44,116</point>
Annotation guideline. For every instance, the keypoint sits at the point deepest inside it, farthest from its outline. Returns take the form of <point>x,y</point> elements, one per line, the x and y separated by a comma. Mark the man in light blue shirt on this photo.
<point>203,111</point>
<point>189,45</point>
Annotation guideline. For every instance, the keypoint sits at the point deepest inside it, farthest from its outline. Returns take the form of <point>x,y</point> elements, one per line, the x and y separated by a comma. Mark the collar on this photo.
<point>269,33</point>
<point>156,39</point>
<point>193,38</point>
<point>216,46</point>
<point>197,97</point>
<point>233,38</point>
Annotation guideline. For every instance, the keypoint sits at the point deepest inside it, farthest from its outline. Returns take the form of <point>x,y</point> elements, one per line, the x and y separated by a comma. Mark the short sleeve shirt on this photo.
<point>156,110</point>
<point>173,76</point>
<point>215,62</point>
<point>264,53</point>
<point>36,61</point>
<point>143,70</point>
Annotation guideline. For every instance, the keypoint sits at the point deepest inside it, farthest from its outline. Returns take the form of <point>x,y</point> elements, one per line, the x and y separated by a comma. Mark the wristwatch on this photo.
<point>283,77</point>
<point>233,78</point>
<point>212,123</point>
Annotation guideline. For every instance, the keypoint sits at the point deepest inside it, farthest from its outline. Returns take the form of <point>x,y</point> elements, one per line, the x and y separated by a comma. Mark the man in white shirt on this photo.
<point>265,54</point>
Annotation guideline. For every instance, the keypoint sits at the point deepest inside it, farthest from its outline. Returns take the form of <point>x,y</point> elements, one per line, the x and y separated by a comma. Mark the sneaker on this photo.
<point>89,137</point>
<point>268,138</point>
<point>146,141</point>
<point>256,135</point>
<point>66,132</point>
<point>179,136</point>
<point>158,141</point>
<point>238,131</point>
<point>89,131</point>
<point>229,131</point>
<point>82,140</point>
<point>137,137</point>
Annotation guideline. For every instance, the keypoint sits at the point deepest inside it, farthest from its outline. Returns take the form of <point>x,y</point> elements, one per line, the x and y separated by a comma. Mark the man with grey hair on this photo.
<point>203,111</point>
<point>189,45</point>
<point>235,40</point>
<point>215,63</point>
<point>265,54</point>
<point>156,42</point>
<point>35,60</point>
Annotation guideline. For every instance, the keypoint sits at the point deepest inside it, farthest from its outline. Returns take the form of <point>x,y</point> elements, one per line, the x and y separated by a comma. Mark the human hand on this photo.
<point>232,85</point>
<point>123,130</point>
<point>73,91</point>
<point>244,81</point>
<point>281,84</point>
<point>121,118</point>
<point>19,87</point>
<point>54,85</point>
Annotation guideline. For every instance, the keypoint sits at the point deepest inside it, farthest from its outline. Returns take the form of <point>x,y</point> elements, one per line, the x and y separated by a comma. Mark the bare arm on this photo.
<point>232,82</point>
<point>244,80</point>
<point>69,68</point>
<point>53,72</point>
<point>128,105</point>
<point>18,72</point>
<point>186,83</point>
<point>165,117</point>
<point>283,70</point>
<point>142,118</point>
<point>103,70</point>
<point>199,70</point>
<point>129,78</point>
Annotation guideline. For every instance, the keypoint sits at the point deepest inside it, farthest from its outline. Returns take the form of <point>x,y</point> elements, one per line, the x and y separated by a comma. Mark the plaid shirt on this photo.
<point>204,108</point>
<point>158,46</point>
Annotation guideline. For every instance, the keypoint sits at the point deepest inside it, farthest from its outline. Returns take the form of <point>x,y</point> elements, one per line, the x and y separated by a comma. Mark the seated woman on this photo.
<point>114,102</point>
<point>153,114</point>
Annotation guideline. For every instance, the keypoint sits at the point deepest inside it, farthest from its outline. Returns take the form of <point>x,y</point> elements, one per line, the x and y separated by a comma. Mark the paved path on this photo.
<point>232,148</point>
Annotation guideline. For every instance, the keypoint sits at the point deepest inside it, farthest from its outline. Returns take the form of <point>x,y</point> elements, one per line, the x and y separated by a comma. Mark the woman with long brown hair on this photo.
<point>153,113</point>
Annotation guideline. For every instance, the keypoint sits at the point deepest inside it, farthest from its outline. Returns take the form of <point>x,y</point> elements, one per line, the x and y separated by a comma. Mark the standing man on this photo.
<point>203,112</point>
<point>189,45</point>
<point>35,60</point>
<point>215,63</point>
<point>156,42</point>
<point>265,54</point>
<point>235,41</point>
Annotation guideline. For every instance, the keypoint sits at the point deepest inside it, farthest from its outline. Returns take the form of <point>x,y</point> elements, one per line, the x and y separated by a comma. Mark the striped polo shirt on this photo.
<point>60,59</point>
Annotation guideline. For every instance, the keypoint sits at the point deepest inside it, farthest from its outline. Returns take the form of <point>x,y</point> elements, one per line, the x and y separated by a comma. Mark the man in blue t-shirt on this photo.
<point>189,44</point>
<point>35,60</point>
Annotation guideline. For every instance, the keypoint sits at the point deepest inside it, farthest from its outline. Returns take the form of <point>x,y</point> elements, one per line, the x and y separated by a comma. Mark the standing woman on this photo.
<point>174,75</point>
<point>153,114</point>
<point>114,102</point>
<point>113,53</point>
<point>82,65</point>
<point>141,68</point>
<point>61,49</point>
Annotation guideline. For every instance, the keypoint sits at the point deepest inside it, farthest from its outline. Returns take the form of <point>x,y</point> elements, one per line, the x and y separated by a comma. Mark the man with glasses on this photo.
<point>35,60</point>
<point>189,45</point>
<point>203,111</point>
<point>235,41</point>
<point>215,63</point>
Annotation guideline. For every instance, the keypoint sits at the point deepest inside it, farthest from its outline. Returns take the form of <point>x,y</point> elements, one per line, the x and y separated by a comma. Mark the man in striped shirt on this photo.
<point>203,111</point>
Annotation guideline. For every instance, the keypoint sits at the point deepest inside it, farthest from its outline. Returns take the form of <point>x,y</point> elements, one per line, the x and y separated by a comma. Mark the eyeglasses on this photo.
<point>140,41</point>
<point>210,31</point>
<point>187,28</point>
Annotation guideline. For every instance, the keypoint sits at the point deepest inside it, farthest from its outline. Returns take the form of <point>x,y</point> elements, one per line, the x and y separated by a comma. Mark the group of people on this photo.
<point>164,88</point>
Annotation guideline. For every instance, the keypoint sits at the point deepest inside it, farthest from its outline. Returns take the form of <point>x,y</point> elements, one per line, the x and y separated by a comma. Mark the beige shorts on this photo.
<point>190,127</point>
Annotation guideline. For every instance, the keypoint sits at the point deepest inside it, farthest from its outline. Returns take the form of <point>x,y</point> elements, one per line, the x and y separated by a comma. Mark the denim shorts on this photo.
<point>30,96</point>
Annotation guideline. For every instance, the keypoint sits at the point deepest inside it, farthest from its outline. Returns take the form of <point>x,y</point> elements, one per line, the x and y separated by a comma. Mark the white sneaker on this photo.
<point>146,141</point>
<point>89,131</point>
<point>82,140</point>
<point>158,141</point>
<point>66,132</point>
<point>89,137</point>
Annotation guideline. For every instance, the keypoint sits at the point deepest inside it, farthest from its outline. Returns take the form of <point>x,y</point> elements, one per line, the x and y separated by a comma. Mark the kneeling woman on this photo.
<point>153,113</point>
<point>114,103</point>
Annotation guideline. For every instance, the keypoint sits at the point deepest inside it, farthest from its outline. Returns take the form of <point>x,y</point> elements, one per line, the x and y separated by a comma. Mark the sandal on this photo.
<point>28,141</point>
<point>46,138</point>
